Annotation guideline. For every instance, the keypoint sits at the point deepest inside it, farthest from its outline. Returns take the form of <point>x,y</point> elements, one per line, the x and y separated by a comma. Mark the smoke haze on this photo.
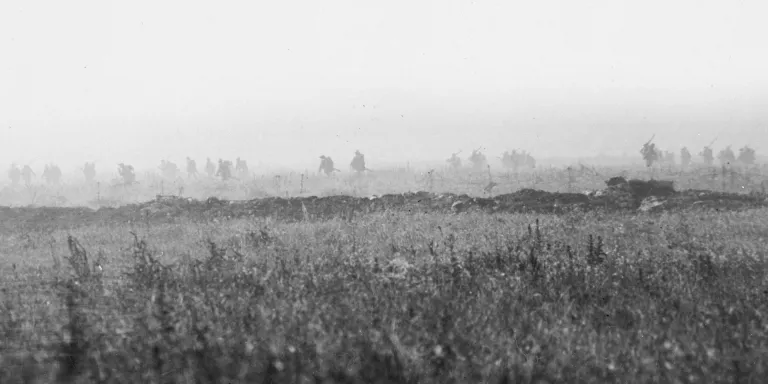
<point>280,83</point>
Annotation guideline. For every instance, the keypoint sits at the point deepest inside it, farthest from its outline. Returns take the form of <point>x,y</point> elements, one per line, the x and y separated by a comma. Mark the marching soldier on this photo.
<point>210,168</point>
<point>358,162</point>
<point>14,174</point>
<point>27,173</point>
<point>326,165</point>
<point>191,168</point>
<point>89,171</point>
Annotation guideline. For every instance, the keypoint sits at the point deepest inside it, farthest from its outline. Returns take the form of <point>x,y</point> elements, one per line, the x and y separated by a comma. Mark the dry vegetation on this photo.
<point>391,297</point>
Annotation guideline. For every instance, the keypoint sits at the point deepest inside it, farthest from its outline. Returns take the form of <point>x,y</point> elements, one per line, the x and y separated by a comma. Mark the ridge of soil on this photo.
<point>170,208</point>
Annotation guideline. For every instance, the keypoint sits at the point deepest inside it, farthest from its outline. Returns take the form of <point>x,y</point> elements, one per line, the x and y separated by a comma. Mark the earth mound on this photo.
<point>628,196</point>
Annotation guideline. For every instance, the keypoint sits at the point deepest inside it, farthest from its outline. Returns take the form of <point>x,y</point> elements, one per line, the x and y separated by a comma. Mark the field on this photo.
<point>451,285</point>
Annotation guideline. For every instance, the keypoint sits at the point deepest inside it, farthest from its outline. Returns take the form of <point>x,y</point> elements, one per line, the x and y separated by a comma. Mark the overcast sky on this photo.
<point>288,80</point>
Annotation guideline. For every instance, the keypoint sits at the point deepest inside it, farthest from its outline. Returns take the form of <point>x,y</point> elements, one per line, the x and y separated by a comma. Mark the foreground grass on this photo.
<point>390,298</point>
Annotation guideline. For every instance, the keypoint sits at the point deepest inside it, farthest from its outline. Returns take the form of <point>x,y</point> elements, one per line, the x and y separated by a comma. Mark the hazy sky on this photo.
<point>285,81</point>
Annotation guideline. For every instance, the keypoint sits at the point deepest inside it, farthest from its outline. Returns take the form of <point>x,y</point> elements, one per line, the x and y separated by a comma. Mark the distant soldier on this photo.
<point>478,160</point>
<point>191,168</point>
<point>708,156</point>
<point>126,172</point>
<point>52,174</point>
<point>454,161</point>
<point>326,165</point>
<point>241,167</point>
<point>358,162</point>
<point>509,160</point>
<point>26,174</point>
<point>56,174</point>
<point>14,174</point>
<point>210,168</point>
<point>685,157</point>
<point>650,154</point>
<point>747,155</point>
<point>516,160</point>
<point>224,171</point>
<point>529,161</point>
<point>169,169</point>
<point>726,156</point>
<point>47,174</point>
<point>89,170</point>
<point>669,158</point>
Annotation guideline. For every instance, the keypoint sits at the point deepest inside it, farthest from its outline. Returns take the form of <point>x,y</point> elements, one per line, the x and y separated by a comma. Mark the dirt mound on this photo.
<point>623,196</point>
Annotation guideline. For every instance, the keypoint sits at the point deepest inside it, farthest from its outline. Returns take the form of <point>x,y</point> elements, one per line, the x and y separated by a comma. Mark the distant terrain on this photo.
<point>393,276</point>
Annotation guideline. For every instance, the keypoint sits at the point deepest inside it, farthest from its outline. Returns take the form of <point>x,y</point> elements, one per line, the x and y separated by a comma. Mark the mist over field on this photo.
<point>548,191</point>
<point>282,83</point>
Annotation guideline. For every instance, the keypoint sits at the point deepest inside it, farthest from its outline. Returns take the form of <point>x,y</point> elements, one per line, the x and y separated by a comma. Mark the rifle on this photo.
<point>713,141</point>
<point>649,140</point>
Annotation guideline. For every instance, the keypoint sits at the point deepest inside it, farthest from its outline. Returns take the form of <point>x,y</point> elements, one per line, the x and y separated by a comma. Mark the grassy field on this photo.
<point>390,297</point>
<point>393,296</point>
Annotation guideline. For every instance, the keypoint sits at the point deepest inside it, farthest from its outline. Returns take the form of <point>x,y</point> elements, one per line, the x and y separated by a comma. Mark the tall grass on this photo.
<point>392,297</point>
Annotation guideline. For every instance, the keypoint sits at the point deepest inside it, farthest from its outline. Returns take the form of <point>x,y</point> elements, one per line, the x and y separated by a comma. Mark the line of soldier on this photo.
<point>52,173</point>
<point>652,155</point>
<point>510,160</point>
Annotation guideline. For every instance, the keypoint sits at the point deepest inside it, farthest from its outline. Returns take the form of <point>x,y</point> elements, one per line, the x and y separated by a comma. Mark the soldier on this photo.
<point>747,155</point>
<point>685,157</point>
<point>454,161</point>
<point>191,168</point>
<point>529,161</point>
<point>224,170</point>
<point>56,174</point>
<point>326,165</point>
<point>89,171</point>
<point>14,174</point>
<point>27,173</point>
<point>163,168</point>
<point>708,156</point>
<point>358,162</point>
<point>241,167</point>
<point>52,174</point>
<point>47,174</point>
<point>477,159</point>
<point>169,169</point>
<point>669,158</point>
<point>126,172</point>
<point>650,153</point>
<point>210,168</point>
<point>509,160</point>
<point>726,156</point>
